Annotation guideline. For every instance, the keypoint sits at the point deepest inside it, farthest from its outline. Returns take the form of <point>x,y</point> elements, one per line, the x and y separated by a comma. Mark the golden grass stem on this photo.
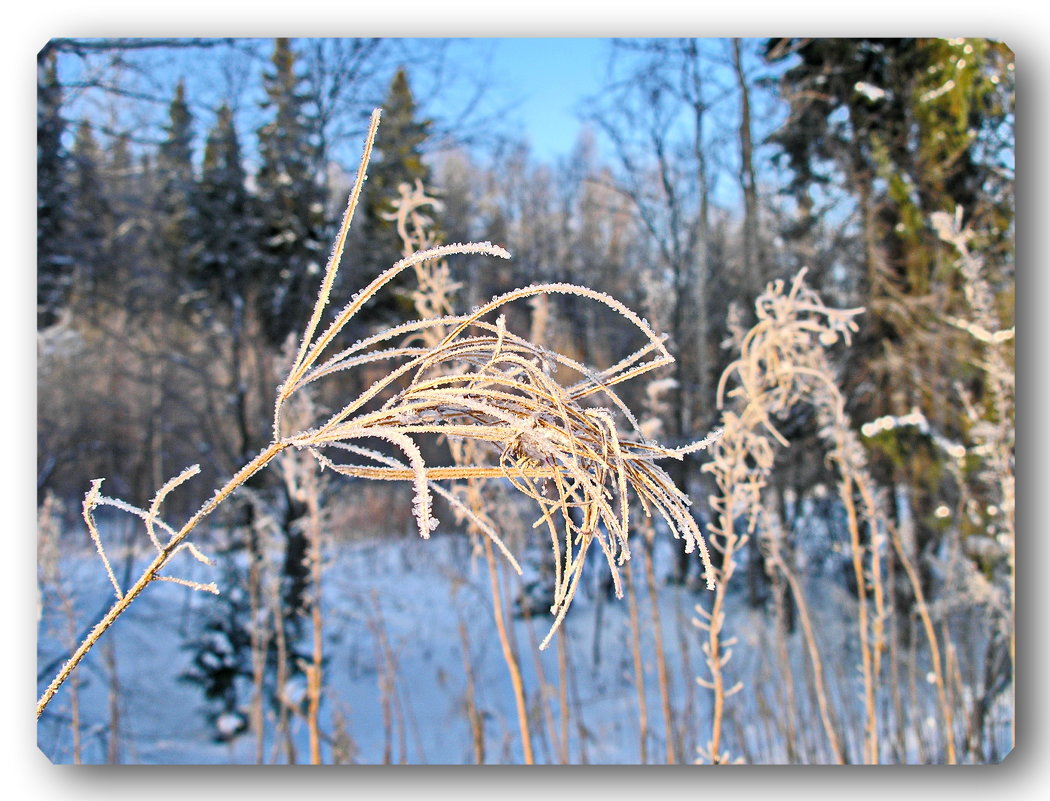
<point>923,610</point>
<point>809,635</point>
<point>662,676</point>
<point>639,666</point>
<point>508,655</point>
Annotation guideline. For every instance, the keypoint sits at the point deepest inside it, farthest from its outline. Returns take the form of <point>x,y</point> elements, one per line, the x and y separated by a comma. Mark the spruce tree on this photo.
<point>292,204</point>
<point>398,159</point>
<point>178,223</point>
<point>252,263</point>
<point>228,226</point>
<point>133,188</point>
<point>53,262</point>
<point>225,268</point>
<point>293,249</point>
<point>221,665</point>
<point>90,216</point>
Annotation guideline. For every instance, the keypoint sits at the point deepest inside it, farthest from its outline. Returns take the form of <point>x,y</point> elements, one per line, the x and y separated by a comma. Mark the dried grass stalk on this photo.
<point>480,382</point>
<point>782,362</point>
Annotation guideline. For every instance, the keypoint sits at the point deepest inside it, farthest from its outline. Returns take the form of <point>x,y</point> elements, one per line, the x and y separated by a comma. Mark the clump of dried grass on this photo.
<point>783,362</point>
<point>472,379</point>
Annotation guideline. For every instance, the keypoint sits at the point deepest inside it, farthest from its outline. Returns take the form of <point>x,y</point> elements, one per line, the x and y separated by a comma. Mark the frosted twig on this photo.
<point>90,501</point>
<point>193,585</point>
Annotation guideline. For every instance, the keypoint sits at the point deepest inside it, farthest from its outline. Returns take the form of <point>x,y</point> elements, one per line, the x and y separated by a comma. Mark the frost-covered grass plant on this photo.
<point>992,434</point>
<point>479,382</point>
<point>781,363</point>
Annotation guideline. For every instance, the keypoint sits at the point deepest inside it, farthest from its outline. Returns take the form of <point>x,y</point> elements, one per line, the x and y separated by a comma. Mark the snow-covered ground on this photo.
<point>417,594</point>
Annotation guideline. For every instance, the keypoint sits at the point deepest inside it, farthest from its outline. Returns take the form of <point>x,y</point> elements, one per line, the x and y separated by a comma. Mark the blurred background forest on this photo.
<point>188,195</point>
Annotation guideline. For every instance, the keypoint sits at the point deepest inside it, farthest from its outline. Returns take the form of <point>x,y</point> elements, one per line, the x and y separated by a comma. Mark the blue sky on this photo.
<point>551,77</point>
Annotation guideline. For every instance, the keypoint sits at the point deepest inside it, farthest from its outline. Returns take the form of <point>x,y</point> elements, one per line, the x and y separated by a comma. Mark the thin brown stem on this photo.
<point>817,663</point>
<point>314,671</point>
<point>871,742</point>
<point>546,691</point>
<point>662,677</point>
<point>639,668</point>
<point>923,611</point>
<point>113,740</point>
<point>259,636</point>
<point>508,654</point>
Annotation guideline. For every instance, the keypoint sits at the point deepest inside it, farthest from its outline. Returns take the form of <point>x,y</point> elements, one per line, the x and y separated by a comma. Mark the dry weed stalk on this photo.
<point>638,667</point>
<point>657,406</point>
<point>781,363</point>
<point>771,541</point>
<point>432,298</point>
<point>663,679</point>
<point>480,382</point>
<point>992,429</point>
<point>306,486</point>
